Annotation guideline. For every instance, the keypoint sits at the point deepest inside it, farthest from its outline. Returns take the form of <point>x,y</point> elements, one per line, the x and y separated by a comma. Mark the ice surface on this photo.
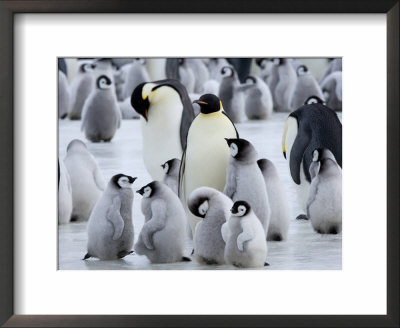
<point>304,249</point>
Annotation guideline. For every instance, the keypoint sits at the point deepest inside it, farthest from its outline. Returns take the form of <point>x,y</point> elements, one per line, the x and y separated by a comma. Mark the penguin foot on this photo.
<point>333,230</point>
<point>186,259</point>
<point>302,217</point>
<point>87,256</point>
<point>266,264</point>
<point>276,237</point>
<point>122,254</point>
<point>63,116</point>
<point>74,218</point>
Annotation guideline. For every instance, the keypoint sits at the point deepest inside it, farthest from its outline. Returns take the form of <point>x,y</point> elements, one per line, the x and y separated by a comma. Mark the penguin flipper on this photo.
<point>156,223</point>
<point>246,235</point>
<point>187,118</point>
<point>181,175</point>
<point>297,152</point>
<point>114,216</point>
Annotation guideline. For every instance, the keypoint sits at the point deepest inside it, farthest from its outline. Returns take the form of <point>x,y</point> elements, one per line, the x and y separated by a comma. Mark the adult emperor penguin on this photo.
<point>324,204</point>
<point>166,114</point>
<point>163,234</point>
<point>306,86</point>
<point>258,103</point>
<point>279,223</point>
<point>101,115</point>
<point>332,90</point>
<point>63,95</point>
<point>137,74</point>
<point>284,89</point>
<point>64,195</point>
<point>86,179</point>
<point>311,126</point>
<point>81,87</point>
<point>244,180</point>
<point>244,237</point>
<point>214,209</point>
<point>206,157</point>
<point>171,170</point>
<point>110,227</point>
<point>232,95</point>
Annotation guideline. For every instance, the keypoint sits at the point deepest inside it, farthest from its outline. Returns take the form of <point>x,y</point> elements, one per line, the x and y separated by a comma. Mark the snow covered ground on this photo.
<point>304,249</point>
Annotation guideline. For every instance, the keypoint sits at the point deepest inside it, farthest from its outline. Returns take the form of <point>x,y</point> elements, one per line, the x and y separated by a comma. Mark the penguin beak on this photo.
<point>140,191</point>
<point>200,102</point>
<point>284,154</point>
<point>132,180</point>
<point>228,141</point>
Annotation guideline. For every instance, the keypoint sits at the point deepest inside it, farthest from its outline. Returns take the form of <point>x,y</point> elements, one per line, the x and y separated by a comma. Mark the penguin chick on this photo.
<point>81,87</point>
<point>64,195</point>
<point>279,223</point>
<point>110,227</point>
<point>171,171</point>
<point>101,113</point>
<point>335,65</point>
<point>214,209</point>
<point>244,180</point>
<point>324,204</point>
<point>214,67</point>
<point>244,238</point>
<point>306,86</point>
<point>332,90</point>
<point>136,75</point>
<point>86,179</point>
<point>206,157</point>
<point>200,72</point>
<point>163,234</point>
<point>258,103</point>
<point>63,95</point>
<point>285,87</point>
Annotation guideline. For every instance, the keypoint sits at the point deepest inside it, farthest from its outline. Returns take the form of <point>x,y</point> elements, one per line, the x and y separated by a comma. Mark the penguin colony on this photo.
<point>208,183</point>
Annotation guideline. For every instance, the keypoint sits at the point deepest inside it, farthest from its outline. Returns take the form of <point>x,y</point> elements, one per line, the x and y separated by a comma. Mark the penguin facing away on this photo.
<point>244,238</point>
<point>101,116</point>
<point>324,204</point>
<point>214,209</point>
<point>205,160</point>
<point>64,194</point>
<point>162,237</point>
<point>285,87</point>
<point>110,227</point>
<point>171,171</point>
<point>311,126</point>
<point>244,180</point>
<point>86,179</point>
<point>258,103</point>
<point>279,223</point>
<point>166,114</point>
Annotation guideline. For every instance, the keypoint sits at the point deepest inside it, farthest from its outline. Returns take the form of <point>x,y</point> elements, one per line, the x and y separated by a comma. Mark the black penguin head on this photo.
<point>227,71</point>
<point>240,208</point>
<point>140,60</point>
<point>209,103</point>
<point>76,144</point>
<point>103,82</point>
<point>122,181</point>
<point>302,70</point>
<point>199,206</point>
<point>260,62</point>
<point>314,100</point>
<point>241,150</point>
<point>139,102</point>
<point>149,190</point>
<point>170,165</point>
<point>86,67</point>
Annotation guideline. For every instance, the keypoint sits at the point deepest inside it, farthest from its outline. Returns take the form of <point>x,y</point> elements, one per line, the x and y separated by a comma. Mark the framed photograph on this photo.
<point>315,278</point>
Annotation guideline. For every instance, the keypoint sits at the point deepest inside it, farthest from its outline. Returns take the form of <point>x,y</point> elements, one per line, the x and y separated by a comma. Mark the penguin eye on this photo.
<point>241,209</point>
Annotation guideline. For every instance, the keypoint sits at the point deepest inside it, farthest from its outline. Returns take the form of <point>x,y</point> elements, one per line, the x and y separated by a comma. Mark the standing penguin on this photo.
<point>167,113</point>
<point>306,86</point>
<point>244,180</point>
<point>163,234</point>
<point>244,237</point>
<point>64,195</point>
<point>284,89</point>
<point>258,104</point>
<point>206,157</point>
<point>101,113</point>
<point>311,126</point>
<point>214,67</point>
<point>171,177</point>
<point>231,95</point>
<point>279,223</point>
<point>86,179</point>
<point>136,75</point>
<point>214,207</point>
<point>110,227</point>
<point>324,204</point>
<point>63,95</point>
<point>332,90</point>
<point>200,72</point>
<point>81,87</point>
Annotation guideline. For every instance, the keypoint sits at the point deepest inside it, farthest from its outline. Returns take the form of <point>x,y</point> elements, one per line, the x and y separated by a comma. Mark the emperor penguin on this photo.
<point>166,114</point>
<point>258,103</point>
<point>136,75</point>
<point>232,95</point>
<point>311,126</point>
<point>285,87</point>
<point>269,73</point>
<point>110,227</point>
<point>200,72</point>
<point>63,95</point>
<point>332,90</point>
<point>162,237</point>
<point>215,66</point>
<point>81,87</point>
<point>324,204</point>
<point>64,195</point>
<point>101,116</point>
<point>244,180</point>
<point>205,160</point>
<point>86,179</point>
<point>306,86</point>
<point>244,237</point>
<point>214,209</point>
<point>279,223</point>
<point>171,171</point>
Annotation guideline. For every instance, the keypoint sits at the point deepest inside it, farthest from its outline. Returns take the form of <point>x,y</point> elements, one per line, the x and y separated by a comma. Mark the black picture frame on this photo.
<point>11,7</point>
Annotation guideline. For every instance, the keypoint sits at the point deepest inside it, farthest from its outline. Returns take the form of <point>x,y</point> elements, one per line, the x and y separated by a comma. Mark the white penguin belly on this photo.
<point>161,138</point>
